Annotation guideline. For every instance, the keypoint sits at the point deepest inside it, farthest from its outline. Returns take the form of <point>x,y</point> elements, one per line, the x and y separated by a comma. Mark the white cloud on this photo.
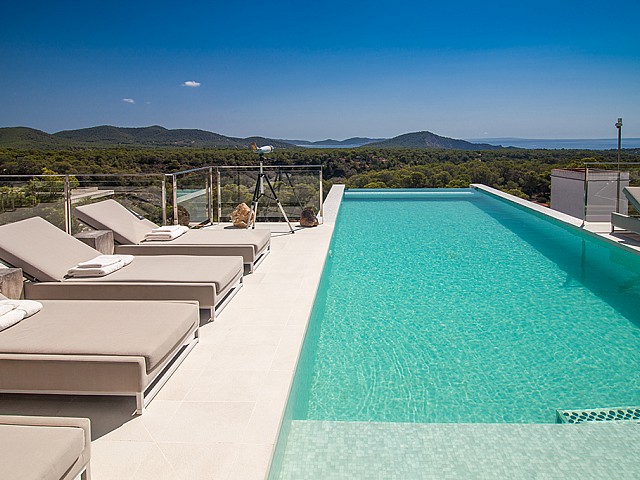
<point>128,100</point>
<point>191,83</point>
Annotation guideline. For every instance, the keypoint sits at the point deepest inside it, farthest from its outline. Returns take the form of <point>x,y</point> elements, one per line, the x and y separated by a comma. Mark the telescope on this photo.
<point>261,150</point>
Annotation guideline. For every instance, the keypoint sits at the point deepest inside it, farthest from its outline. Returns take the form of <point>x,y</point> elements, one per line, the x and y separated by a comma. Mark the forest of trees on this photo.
<point>525,173</point>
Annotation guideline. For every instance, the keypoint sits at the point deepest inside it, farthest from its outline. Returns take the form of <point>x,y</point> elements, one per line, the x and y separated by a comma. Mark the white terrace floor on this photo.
<point>219,414</point>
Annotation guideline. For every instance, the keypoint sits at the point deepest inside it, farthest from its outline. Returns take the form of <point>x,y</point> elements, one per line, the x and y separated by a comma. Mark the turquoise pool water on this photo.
<point>457,307</point>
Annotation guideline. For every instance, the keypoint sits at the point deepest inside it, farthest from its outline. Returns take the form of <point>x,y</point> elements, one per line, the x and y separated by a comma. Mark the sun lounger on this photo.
<point>44,448</point>
<point>627,222</point>
<point>98,348</point>
<point>45,253</point>
<point>129,231</point>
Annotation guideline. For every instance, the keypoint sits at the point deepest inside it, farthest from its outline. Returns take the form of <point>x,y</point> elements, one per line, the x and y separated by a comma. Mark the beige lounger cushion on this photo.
<point>110,215</point>
<point>141,329</point>
<point>258,239</point>
<point>42,250</point>
<point>121,346</point>
<point>43,448</point>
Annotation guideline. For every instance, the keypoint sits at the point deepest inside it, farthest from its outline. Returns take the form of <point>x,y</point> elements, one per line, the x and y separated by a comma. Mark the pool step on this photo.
<point>616,414</point>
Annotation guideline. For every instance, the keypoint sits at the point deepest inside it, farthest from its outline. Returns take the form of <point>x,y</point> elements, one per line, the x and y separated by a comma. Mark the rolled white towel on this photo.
<point>100,261</point>
<point>9,319</point>
<point>5,308</point>
<point>95,272</point>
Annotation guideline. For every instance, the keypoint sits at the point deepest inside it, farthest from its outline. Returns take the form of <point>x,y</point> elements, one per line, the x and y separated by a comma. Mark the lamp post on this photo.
<point>619,127</point>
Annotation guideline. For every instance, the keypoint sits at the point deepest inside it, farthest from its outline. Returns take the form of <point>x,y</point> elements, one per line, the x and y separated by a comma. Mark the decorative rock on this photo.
<point>308,218</point>
<point>11,283</point>
<point>240,216</point>
<point>101,240</point>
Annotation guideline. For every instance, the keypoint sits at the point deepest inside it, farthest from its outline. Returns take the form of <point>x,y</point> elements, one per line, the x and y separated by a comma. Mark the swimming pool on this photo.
<point>457,307</point>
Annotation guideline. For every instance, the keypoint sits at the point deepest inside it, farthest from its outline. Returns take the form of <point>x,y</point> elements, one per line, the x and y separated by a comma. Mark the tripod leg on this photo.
<point>253,212</point>
<point>279,204</point>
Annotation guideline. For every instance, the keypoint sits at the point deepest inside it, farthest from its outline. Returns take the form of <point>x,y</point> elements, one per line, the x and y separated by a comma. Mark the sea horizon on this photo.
<point>560,143</point>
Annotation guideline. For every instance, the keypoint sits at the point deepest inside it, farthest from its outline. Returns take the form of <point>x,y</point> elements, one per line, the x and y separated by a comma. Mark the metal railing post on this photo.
<point>321,210</point>
<point>586,195</point>
<point>174,192</point>
<point>219,196</point>
<point>618,193</point>
<point>164,200</point>
<point>210,196</point>
<point>67,205</point>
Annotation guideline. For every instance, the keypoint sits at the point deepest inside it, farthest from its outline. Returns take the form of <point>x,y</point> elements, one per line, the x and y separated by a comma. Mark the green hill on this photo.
<point>261,141</point>
<point>154,136</point>
<point>25,137</point>
<point>107,136</point>
<point>431,140</point>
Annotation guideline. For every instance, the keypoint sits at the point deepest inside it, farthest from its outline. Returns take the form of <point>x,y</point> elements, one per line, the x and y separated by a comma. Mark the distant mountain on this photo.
<point>106,136</point>
<point>154,136</point>
<point>431,140</point>
<point>351,142</point>
<point>262,141</point>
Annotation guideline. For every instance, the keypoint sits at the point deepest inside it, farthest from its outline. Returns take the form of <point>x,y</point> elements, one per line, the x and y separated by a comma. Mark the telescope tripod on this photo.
<point>258,193</point>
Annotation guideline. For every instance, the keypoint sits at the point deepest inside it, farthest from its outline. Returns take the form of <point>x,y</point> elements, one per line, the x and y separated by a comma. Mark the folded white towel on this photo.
<point>168,235</point>
<point>100,261</point>
<point>95,272</point>
<point>126,259</point>
<point>10,319</point>
<point>168,228</point>
<point>29,307</point>
<point>16,310</point>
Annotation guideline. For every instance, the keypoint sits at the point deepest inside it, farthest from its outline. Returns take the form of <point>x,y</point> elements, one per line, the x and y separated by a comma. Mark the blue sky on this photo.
<point>328,69</point>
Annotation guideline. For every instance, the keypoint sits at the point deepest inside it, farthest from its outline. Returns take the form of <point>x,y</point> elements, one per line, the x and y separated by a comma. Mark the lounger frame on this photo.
<point>69,290</point>
<point>625,222</point>
<point>194,250</point>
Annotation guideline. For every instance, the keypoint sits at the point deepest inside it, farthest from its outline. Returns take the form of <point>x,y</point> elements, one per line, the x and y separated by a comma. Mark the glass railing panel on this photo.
<point>295,188</point>
<point>606,182</point>
<point>236,186</point>
<point>24,197</point>
<point>200,196</point>
<point>193,195</point>
<point>142,194</point>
